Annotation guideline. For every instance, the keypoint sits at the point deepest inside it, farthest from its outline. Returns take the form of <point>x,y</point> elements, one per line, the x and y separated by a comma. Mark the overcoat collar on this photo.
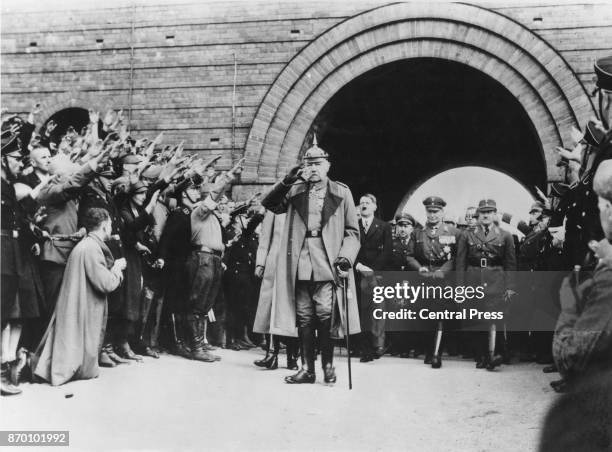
<point>332,200</point>
<point>108,256</point>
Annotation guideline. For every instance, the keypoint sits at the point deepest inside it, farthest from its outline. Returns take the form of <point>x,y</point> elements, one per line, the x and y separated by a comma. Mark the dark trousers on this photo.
<point>314,303</point>
<point>204,274</point>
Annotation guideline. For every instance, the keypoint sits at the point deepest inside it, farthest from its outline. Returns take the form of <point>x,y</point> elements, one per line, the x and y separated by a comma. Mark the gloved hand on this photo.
<point>293,175</point>
<point>342,266</point>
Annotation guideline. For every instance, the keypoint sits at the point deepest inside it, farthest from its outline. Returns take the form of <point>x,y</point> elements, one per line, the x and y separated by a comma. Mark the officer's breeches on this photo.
<point>314,300</point>
<point>204,275</point>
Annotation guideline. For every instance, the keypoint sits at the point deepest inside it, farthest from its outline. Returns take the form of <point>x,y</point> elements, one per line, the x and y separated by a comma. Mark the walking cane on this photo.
<point>348,329</point>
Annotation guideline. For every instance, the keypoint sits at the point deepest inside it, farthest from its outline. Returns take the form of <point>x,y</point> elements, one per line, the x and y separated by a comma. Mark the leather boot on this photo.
<point>482,362</point>
<point>195,325</point>
<point>494,361</point>
<point>6,387</point>
<point>292,354</point>
<point>264,361</point>
<point>327,351</point>
<point>436,361</point>
<point>305,375</point>
<point>329,373</point>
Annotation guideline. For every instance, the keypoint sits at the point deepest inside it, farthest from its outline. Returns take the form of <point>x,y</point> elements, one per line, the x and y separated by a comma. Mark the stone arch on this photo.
<point>71,99</point>
<point>526,65</point>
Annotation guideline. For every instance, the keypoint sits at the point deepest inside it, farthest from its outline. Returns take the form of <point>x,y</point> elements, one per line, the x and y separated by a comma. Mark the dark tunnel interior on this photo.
<point>395,126</point>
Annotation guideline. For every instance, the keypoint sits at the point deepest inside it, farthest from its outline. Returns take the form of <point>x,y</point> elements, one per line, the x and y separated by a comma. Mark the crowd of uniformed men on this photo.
<point>115,248</point>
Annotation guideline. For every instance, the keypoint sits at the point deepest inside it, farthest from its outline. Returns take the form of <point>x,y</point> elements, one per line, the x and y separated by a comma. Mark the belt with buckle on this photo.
<point>313,234</point>
<point>484,262</point>
<point>14,233</point>
<point>205,249</point>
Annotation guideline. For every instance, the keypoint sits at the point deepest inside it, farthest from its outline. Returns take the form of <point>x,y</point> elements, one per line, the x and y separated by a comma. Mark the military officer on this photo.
<point>486,257</point>
<point>431,253</point>
<point>401,341</point>
<point>318,247</point>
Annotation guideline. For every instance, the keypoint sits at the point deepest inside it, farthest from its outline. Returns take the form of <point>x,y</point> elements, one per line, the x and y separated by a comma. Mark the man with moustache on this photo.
<point>432,252</point>
<point>374,255</point>
<point>318,247</point>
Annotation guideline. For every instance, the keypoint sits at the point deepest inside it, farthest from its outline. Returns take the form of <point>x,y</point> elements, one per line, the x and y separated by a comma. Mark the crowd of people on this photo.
<point>115,248</point>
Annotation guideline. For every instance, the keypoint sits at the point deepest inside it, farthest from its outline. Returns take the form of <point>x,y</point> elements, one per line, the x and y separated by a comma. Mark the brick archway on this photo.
<point>71,99</point>
<point>522,62</point>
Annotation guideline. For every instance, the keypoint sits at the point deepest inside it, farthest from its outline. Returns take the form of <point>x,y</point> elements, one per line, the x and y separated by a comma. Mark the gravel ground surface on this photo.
<point>396,404</point>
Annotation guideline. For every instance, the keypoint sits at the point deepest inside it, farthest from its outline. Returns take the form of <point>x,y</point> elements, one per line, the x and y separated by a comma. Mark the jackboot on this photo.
<point>305,375</point>
<point>195,325</point>
<point>292,354</point>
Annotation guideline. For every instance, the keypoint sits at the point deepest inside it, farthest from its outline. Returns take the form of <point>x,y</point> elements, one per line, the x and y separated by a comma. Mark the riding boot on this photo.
<point>305,375</point>
<point>195,325</point>
<point>327,351</point>
<point>292,353</point>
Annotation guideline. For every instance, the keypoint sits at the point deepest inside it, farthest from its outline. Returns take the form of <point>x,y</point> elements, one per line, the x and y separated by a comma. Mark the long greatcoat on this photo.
<point>267,254</point>
<point>340,234</point>
<point>70,347</point>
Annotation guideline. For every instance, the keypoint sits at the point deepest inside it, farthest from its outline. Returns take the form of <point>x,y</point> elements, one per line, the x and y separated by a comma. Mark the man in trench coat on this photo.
<point>318,247</point>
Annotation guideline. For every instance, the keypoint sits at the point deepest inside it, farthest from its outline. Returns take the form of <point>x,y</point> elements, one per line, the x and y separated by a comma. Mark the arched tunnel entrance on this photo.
<point>395,126</point>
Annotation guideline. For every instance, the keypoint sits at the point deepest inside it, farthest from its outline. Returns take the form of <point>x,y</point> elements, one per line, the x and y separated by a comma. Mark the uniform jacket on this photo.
<point>399,254</point>
<point>17,260</point>
<point>433,249</point>
<point>60,198</point>
<point>340,235</point>
<point>486,259</point>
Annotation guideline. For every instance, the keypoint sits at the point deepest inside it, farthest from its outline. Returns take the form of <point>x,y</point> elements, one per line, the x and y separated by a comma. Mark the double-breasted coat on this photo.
<point>340,235</point>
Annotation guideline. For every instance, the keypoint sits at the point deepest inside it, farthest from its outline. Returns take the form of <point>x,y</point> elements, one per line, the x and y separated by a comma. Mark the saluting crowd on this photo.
<point>116,248</point>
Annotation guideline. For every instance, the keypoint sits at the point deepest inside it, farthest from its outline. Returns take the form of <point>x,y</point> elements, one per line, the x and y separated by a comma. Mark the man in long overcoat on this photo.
<point>71,345</point>
<point>319,244</point>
